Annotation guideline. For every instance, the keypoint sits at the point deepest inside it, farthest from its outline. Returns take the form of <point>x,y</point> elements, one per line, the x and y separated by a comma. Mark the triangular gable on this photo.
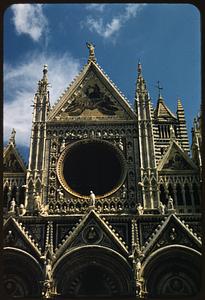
<point>16,236</point>
<point>91,96</point>
<point>92,230</point>
<point>176,159</point>
<point>172,231</point>
<point>13,162</point>
<point>163,112</point>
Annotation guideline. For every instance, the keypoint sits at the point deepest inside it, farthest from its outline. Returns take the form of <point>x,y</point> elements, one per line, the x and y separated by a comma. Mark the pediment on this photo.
<point>12,162</point>
<point>175,159</point>
<point>92,96</point>
<point>15,236</point>
<point>172,231</point>
<point>162,112</point>
<point>92,230</point>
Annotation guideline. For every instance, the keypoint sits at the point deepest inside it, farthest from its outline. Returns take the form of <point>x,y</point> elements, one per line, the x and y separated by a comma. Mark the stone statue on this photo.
<point>140,209</point>
<point>92,198</point>
<point>62,145</point>
<point>138,267</point>
<point>12,206</point>
<point>138,289</point>
<point>60,194</point>
<point>91,48</point>
<point>48,270</point>
<point>39,207</point>
<point>37,202</point>
<point>170,203</point>
<point>121,145</point>
<point>172,132</point>
<point>44,210</point>
<point>12,137</point>
<point>22,210</point>
<point>162,208</point>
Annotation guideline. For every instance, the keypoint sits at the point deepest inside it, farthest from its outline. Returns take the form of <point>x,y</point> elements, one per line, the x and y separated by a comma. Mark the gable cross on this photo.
<point>159,88</point>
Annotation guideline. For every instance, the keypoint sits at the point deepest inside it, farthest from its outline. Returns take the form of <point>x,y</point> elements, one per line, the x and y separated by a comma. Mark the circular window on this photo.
<point>91,165</point>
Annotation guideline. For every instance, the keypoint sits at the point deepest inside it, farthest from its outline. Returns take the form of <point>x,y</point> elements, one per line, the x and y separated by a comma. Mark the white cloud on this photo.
<point>107,30</point>
<point>96,7</point>
<point>20,85</point>
<point>104,30</point>
<point>29,19</point>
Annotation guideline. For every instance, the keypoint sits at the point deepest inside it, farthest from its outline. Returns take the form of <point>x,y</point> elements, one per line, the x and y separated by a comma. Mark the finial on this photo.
<point>159,88</point>
<point>45,71</point>
<point>139,68</point>
<point>12,137</point>
<point>91,48</point>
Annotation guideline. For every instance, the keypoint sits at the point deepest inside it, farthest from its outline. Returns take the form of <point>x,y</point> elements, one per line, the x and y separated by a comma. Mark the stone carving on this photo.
<point>140,209</point>
<point>162,208</point>
<point>12,137</point>
<point>37,202</point>
<point>177,162</point>
<point>62,145</point>
<point>10,238</point>
<point>92,234</point>
<point>173,234</point>
<point>92,198</point>
<point>11,164</point>
<point>39,208</point>
<point>121,146</point>
<point>170,205</point>
<point>12,206</point>
<point>92,99</point>
<point>60,194</point>
<point>22,210</point>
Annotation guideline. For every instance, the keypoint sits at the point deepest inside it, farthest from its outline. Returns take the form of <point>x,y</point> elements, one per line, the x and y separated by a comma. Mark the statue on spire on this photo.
<point>12,137</point>
<point>91,48</point>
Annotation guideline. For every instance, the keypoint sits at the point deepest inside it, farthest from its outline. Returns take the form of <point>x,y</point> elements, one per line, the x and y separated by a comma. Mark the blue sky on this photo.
<point>165,37</point>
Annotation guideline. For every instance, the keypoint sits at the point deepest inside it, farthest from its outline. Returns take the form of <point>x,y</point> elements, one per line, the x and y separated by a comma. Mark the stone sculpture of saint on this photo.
<point>92,198</point>
<point>12,205</point>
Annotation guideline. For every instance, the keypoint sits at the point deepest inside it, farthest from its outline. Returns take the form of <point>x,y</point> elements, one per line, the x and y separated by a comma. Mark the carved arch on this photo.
<point>172,271</point>
<point>93,271</point>
<point>21,273</point>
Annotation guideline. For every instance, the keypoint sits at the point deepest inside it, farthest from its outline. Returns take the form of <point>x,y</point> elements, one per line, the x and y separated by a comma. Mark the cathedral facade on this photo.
<point>109,203</point>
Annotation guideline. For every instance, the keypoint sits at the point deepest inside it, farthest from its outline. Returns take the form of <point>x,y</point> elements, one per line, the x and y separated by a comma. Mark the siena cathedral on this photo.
<point>109,203</point>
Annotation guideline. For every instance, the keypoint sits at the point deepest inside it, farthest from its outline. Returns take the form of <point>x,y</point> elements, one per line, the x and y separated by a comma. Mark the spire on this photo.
<point>141,84</point>
<point>91,48</point>
<point>43,83</point>
<point>12,137</point>
<point>180,110</point>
